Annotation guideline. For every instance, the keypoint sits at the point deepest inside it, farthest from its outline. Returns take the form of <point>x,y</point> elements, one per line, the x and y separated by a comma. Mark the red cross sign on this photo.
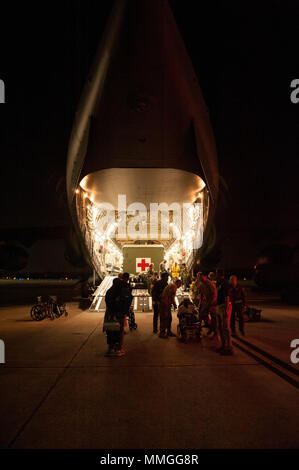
<point>142,264</point>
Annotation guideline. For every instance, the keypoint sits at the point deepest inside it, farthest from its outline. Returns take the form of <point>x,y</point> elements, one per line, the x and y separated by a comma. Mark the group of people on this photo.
<point>174,271</point>
<point>219,304</point>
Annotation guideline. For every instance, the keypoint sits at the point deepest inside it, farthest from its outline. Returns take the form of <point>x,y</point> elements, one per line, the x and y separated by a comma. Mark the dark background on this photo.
<point>245,55</point>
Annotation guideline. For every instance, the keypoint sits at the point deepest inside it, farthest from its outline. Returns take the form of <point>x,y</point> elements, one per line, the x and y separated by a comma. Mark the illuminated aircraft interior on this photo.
<point>102,237</point>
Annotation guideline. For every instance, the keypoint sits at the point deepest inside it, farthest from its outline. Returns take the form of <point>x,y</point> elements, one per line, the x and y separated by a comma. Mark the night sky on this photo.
<point>245,55</point>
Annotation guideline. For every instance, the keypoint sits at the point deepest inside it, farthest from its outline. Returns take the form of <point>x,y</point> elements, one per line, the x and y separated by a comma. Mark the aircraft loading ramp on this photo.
<point>142,301</point>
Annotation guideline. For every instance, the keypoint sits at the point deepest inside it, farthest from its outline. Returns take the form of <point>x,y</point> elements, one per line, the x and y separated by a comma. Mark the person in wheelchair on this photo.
<point>189,325</point>
<point>187,309</point>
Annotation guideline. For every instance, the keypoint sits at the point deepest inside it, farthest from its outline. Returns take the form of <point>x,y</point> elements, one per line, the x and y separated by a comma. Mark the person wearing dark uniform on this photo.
<point>157,290</point>
<point>116,304</point>
<point>224,310</point>
<point>238,299</point>
<point>153,280</point>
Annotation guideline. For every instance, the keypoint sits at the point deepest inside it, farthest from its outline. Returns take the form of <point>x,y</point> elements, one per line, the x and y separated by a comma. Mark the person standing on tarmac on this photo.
<point>207,292</point>
<point>127,293</point>
<point>162,267</point>
<point>224,310</point>
<point>167,300</point>
<point>157,290</point>
<point>212,277</point>
<point>153,281</point>
<point>195,289</point>
<point>149,275</point>
<point>238,299</point>
<point>116,303</point>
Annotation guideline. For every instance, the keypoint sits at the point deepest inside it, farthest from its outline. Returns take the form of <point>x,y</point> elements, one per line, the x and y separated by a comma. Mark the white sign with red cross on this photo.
<point>142,264</point>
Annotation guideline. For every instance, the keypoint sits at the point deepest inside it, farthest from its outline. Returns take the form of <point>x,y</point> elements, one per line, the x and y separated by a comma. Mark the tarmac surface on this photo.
<point>58,390</point>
